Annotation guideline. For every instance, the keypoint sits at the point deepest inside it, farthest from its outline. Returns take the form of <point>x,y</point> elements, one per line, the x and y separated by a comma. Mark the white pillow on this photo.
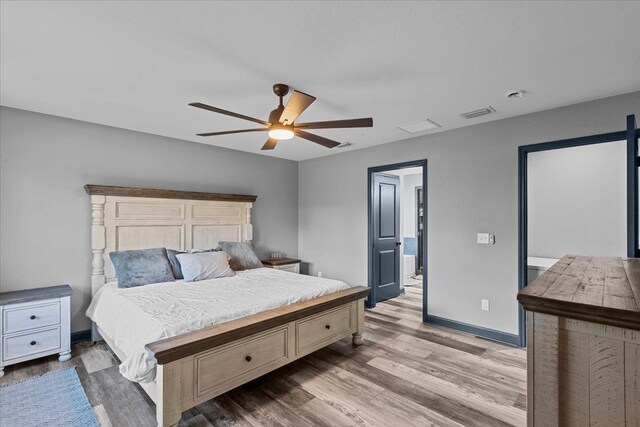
<point>205,265</point>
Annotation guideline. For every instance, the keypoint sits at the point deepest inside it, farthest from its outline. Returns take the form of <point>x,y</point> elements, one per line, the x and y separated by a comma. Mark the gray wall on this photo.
<point>472,187</point>
<point>45,214</point>
<point>577,201</point>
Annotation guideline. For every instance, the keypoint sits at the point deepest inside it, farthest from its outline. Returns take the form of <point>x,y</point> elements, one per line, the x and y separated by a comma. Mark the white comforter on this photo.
<point>137,316</point>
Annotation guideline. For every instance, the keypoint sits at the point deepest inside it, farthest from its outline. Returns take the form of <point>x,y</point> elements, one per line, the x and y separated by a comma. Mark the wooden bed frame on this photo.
<point>197,366</point>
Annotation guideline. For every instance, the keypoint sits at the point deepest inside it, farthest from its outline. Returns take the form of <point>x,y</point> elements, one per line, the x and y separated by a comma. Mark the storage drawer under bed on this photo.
<point>235,364</point>
<point>317,331</point>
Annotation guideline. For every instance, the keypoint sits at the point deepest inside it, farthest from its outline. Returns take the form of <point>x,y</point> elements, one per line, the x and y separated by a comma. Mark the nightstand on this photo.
<point>284,264</point>
<point>35,323</point>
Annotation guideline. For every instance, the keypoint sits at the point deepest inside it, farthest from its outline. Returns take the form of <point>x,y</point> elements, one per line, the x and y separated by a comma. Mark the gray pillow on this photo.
<point>175,264</point>
<point>205,265</point>
<point>242,255</point>
<point>141,267</point>
<point>176,269</point>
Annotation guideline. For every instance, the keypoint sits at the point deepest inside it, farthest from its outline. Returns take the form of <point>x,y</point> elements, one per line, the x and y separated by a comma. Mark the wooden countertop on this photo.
<point>595,289</point>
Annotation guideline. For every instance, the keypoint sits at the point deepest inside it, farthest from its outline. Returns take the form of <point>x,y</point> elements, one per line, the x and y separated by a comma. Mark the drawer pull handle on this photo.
<point>248,358</point>
<point>328,326</point>
<point>33,317</point>
<point>32,343</point>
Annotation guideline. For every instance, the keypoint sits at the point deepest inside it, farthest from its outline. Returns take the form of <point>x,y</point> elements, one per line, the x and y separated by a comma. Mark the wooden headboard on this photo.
<point>125,218</point>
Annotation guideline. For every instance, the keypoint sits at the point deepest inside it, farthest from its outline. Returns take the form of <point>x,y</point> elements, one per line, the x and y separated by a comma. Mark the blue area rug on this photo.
<point>53,399</point>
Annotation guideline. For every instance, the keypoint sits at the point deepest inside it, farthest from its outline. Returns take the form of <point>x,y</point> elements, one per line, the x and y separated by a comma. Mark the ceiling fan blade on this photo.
<point>298,102</point>
<point>270,144</point>
<point>228,113</point>
<point>232,131</point>
<point>329,143</point>
<point>334,124</point>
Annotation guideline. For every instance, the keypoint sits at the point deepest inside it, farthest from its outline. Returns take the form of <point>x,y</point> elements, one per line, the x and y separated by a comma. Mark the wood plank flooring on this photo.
<point>406,374</point>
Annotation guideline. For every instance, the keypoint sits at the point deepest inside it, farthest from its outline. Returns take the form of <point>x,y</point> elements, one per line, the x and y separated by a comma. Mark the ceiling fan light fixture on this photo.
<point>280,133</point>
<point>282,120</point>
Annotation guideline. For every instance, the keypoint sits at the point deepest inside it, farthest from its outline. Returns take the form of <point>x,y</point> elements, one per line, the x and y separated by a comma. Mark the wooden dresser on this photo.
<point>34,323</point>
<point>583,343</point>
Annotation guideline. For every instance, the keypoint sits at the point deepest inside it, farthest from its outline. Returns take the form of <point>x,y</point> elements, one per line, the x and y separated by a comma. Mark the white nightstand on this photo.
<point>284,264</point>
<point>34,323</point>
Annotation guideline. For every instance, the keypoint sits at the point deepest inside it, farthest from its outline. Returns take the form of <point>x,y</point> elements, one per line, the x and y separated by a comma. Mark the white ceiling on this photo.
<point>136,65</point>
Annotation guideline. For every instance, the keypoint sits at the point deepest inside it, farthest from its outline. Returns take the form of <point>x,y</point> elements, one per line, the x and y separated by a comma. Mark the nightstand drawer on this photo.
<point>285,264</point>
<point>31,343</point>
<point>292,268</point>
<point>23,317</point>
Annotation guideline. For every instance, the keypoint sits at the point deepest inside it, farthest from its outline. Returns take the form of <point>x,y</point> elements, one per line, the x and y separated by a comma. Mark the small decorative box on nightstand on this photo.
<point>285,264</point>
<point>34,323</point>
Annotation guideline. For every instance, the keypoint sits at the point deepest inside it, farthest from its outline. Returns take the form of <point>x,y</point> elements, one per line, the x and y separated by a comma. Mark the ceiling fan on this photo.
<point>281,124</point>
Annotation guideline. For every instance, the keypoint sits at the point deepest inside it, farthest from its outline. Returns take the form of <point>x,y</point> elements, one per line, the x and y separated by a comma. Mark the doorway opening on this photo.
<point>595,214</point>
<point>398,232</point>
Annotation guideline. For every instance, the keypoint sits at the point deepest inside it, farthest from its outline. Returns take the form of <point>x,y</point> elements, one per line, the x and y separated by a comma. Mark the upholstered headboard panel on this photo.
<point>125,218</point>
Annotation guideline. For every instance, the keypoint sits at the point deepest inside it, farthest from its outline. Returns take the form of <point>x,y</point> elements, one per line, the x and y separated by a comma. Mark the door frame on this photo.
<point>630,135</point>
<point>370,301</point>
<point>417,207</point>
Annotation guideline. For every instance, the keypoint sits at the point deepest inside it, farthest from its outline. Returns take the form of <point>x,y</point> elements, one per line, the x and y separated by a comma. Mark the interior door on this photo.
<point>386,236</point>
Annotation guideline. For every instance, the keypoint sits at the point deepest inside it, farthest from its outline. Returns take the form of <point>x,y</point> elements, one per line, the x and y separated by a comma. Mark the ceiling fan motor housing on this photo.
<point>280,89</point>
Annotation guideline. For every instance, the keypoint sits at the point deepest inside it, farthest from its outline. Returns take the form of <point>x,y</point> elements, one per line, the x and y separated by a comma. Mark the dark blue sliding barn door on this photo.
<point>633,190</point>
<point>386,236</point>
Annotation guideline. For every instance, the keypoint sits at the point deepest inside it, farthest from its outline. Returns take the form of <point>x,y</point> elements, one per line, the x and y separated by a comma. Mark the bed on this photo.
<point>194,341</point>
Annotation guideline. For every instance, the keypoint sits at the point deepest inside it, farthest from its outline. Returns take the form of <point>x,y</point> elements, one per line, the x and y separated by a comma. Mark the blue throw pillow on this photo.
<point>141,267</point>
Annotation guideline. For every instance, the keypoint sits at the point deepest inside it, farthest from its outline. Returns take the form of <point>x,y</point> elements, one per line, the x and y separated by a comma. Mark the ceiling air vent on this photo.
<point>419,126</point>
<point>477,113</point>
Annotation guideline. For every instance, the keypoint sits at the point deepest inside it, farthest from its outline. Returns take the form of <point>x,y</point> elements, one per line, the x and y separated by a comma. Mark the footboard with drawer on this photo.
<point>195,367</point>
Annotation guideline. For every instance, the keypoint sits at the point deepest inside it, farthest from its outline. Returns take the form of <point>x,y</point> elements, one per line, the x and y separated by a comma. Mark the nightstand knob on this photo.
<point>248,358</point>
<point>33,317</point>
<point>328,326</point>
<point>33,343</point>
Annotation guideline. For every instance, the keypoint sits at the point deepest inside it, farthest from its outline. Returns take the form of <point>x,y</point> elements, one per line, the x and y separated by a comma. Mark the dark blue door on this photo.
<point>386,236</point>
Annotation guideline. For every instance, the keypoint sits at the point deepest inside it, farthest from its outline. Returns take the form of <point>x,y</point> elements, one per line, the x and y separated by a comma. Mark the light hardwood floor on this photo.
<point>406,374</point>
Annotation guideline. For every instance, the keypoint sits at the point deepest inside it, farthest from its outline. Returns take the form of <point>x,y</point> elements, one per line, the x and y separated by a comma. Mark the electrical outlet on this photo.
<point>483,238</point>
<point>485,304</point>
<point>486,239</point>
<point>319,273</point>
